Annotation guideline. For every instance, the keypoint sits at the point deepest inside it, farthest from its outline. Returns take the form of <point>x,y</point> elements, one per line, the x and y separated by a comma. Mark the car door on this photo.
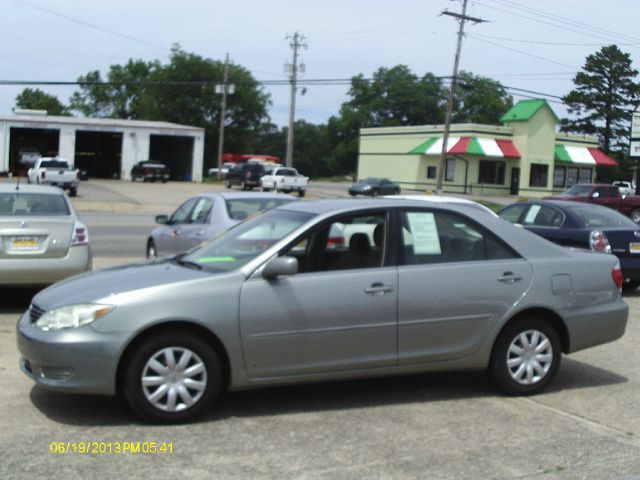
<point>195,230</point>
<point>456,282</point>
<point>168,239</point>
<point>338,313</point>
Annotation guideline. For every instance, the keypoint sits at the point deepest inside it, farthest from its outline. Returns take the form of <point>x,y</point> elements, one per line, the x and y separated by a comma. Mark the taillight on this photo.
<point>80,235</point>
<point>616,274</point>
<point>598,242</point>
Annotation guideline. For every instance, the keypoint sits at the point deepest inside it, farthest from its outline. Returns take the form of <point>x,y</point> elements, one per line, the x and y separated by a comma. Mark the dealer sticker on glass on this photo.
<point>24,244</point>
<point>634,248</point>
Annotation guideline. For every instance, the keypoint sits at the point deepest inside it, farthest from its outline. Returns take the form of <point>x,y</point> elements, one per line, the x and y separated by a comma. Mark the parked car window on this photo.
<point>601,192</point>
<point>19,204</point>
<point>239,209</point>
<point>245,242</point>
<point>602,217</point>
<point>53,164</point>
<point>202,211</point>
<point>437,237</point>
<point>344,243</point>
<point>513,213</point>
<point>181,215</point>
<point>543,216</point>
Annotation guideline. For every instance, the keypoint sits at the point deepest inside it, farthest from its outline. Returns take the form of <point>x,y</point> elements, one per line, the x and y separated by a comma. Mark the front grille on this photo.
<point>35,312</point>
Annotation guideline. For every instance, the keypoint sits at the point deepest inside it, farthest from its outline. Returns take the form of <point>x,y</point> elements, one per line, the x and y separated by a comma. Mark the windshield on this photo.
<point>19,204</point>
<point>582,190</point>
<point>370,181</point>
<point>241,208</point>
<point>241,244</point>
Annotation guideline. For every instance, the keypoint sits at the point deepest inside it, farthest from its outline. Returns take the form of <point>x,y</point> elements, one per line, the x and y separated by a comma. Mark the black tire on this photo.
<point>374,192</point>
<point>152,251</point>
<point>631,285</point>
<point>243,186</point>
<point>396,191</point>
<point>73,192</point>
<point>228,183</point>
<point>635,215</point>
<point>302,193</point>
<point>202,389</point>
<point>506,370</point>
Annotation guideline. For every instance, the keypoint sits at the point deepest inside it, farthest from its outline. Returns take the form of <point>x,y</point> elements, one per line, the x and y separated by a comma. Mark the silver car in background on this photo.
<point>274,302</point>
<point>205,215</point>
<point>41,238</point>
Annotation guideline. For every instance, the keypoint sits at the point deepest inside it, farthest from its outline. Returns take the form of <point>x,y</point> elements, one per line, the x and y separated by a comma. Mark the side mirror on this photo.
<point>162,219</point>
<point>280,266</point>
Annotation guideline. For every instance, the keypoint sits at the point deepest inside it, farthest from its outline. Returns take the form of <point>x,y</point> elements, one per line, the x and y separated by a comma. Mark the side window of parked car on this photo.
<point>439,237</point>
<point>513,213</point>
<point>543,216</point>
<point>201,211</point>
<point>343,244</point>
<point>181,215</point>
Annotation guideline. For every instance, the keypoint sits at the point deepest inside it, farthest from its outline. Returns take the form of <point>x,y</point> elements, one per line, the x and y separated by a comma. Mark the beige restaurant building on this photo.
<point>525,156</point>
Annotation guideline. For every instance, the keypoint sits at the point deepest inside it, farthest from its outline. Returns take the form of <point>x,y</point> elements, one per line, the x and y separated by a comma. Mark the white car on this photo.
<point>626,188</point>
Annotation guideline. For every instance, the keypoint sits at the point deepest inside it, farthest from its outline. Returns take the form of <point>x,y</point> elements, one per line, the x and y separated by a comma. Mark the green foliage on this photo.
<point>604,97</point>
<point>480,100</point>
<point>36,99</point>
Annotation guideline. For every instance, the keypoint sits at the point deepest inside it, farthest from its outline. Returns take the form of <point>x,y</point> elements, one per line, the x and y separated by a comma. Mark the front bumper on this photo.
<point>78,360</point>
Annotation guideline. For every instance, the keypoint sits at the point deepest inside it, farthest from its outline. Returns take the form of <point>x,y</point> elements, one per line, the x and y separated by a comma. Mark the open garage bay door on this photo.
<point>99,153</point>
<point>176,153</point>
<point>28,143</point>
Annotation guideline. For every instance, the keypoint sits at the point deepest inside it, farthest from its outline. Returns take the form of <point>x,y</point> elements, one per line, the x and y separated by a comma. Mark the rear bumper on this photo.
<point>595,325</point>
<point>44,271</point>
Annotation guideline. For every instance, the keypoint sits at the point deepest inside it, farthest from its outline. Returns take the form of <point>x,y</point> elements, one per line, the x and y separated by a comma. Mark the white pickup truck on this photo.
<point>284,179</point>
<point>55,171</point>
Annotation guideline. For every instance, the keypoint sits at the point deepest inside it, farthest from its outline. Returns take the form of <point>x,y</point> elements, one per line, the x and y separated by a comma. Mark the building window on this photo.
<point>491,171</point>
<point>559,177</point>
<point>572,176</point>
<point>450,170</point>
<point>432,172</point>
<point>539,175</point>
<point>586,175</point>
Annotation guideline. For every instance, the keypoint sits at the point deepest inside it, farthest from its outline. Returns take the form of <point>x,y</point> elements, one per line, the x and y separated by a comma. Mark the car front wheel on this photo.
<point>172,377</point>
<point>152,251</point>
<point>526,356</point>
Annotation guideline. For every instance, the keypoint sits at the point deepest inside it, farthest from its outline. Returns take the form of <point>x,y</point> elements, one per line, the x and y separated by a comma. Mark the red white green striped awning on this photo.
<point>483,146</point>
<point>582,155</point>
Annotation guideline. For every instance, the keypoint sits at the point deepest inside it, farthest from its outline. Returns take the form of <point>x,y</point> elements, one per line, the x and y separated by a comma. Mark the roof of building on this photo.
<point>524,110</point>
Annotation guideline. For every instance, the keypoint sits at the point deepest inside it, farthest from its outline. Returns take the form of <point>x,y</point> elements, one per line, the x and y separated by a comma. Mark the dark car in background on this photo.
<point>580,225</point>
<point>246,175</point>
<point>150,171</point>
<point>374,187</point>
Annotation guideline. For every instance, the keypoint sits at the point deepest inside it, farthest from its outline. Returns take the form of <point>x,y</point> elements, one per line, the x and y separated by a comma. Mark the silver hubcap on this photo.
<point>529,357</point>
<point>174,379</point>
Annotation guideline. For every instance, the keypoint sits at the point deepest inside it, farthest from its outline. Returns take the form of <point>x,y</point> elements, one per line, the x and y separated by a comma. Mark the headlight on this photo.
<point>72,316</point>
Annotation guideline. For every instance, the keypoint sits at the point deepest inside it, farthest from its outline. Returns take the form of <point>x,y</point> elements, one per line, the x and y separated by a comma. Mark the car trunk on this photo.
<point>35,237</point>
<point>624,242</point>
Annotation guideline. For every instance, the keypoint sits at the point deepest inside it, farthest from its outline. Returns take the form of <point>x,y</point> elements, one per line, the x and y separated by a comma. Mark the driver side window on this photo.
<point>181,215</point>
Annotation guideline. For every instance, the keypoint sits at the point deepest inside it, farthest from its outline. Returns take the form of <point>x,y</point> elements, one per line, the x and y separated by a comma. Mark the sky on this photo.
<point>528,45</point>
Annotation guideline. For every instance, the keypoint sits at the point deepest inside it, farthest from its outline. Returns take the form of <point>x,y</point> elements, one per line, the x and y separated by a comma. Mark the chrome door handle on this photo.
<point>378,289</point>
<point>509,277</point>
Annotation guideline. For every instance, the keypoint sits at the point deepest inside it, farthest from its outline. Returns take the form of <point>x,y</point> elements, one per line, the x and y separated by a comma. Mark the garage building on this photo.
<point>104,148</point>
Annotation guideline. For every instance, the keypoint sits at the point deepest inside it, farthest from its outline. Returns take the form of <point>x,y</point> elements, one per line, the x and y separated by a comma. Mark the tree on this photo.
<point>480,100</point>
<point>117,97</point>
<point>604,97</point>
<point>39,100</point>
<point>394,97</point>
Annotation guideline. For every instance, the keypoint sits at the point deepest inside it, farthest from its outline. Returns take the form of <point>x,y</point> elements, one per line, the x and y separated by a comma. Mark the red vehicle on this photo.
<point>603,194</point>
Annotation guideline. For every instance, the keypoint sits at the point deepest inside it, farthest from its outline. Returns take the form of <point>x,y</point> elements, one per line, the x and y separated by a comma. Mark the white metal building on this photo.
<point>105,148</point>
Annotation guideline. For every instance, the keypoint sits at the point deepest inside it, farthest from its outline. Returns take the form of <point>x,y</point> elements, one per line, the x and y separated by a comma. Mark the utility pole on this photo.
<point>297,41</point>
<point>224,89</point>
<point>452,92</point>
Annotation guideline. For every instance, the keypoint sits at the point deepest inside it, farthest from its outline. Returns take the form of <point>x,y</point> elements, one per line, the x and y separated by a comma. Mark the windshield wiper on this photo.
<point>187,263</point>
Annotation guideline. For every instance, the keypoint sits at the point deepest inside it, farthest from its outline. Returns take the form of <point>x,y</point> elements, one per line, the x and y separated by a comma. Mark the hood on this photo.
<point>93,286</point>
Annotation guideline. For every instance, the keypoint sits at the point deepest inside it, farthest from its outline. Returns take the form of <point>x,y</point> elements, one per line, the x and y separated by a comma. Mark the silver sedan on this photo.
<point>274,301</point>
<point>205,215</point>
<point>41,238</point>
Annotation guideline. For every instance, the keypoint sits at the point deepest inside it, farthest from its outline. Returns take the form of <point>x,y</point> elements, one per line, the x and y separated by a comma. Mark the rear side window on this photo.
<point>32,204</point>
<point>602,217</point>
<point>439,237</point>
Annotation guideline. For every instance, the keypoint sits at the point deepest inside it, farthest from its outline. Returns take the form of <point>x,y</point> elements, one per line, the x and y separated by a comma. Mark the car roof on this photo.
<point>440,199</point>
<point>245,195</point>
<point>7,187</point>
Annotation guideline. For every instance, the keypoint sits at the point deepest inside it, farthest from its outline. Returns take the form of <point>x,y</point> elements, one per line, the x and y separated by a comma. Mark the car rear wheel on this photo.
<point>302,193</point>
<point>526,356</point>
<point>228,183</point>
<point>631,285</point>
<point>243,186</point>
<point>635,215</point>
<point>152,251</point>
<point>172,377</point>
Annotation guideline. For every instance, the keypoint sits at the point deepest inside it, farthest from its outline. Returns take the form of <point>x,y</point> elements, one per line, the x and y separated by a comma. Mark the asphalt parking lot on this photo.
<point>438,426</point>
